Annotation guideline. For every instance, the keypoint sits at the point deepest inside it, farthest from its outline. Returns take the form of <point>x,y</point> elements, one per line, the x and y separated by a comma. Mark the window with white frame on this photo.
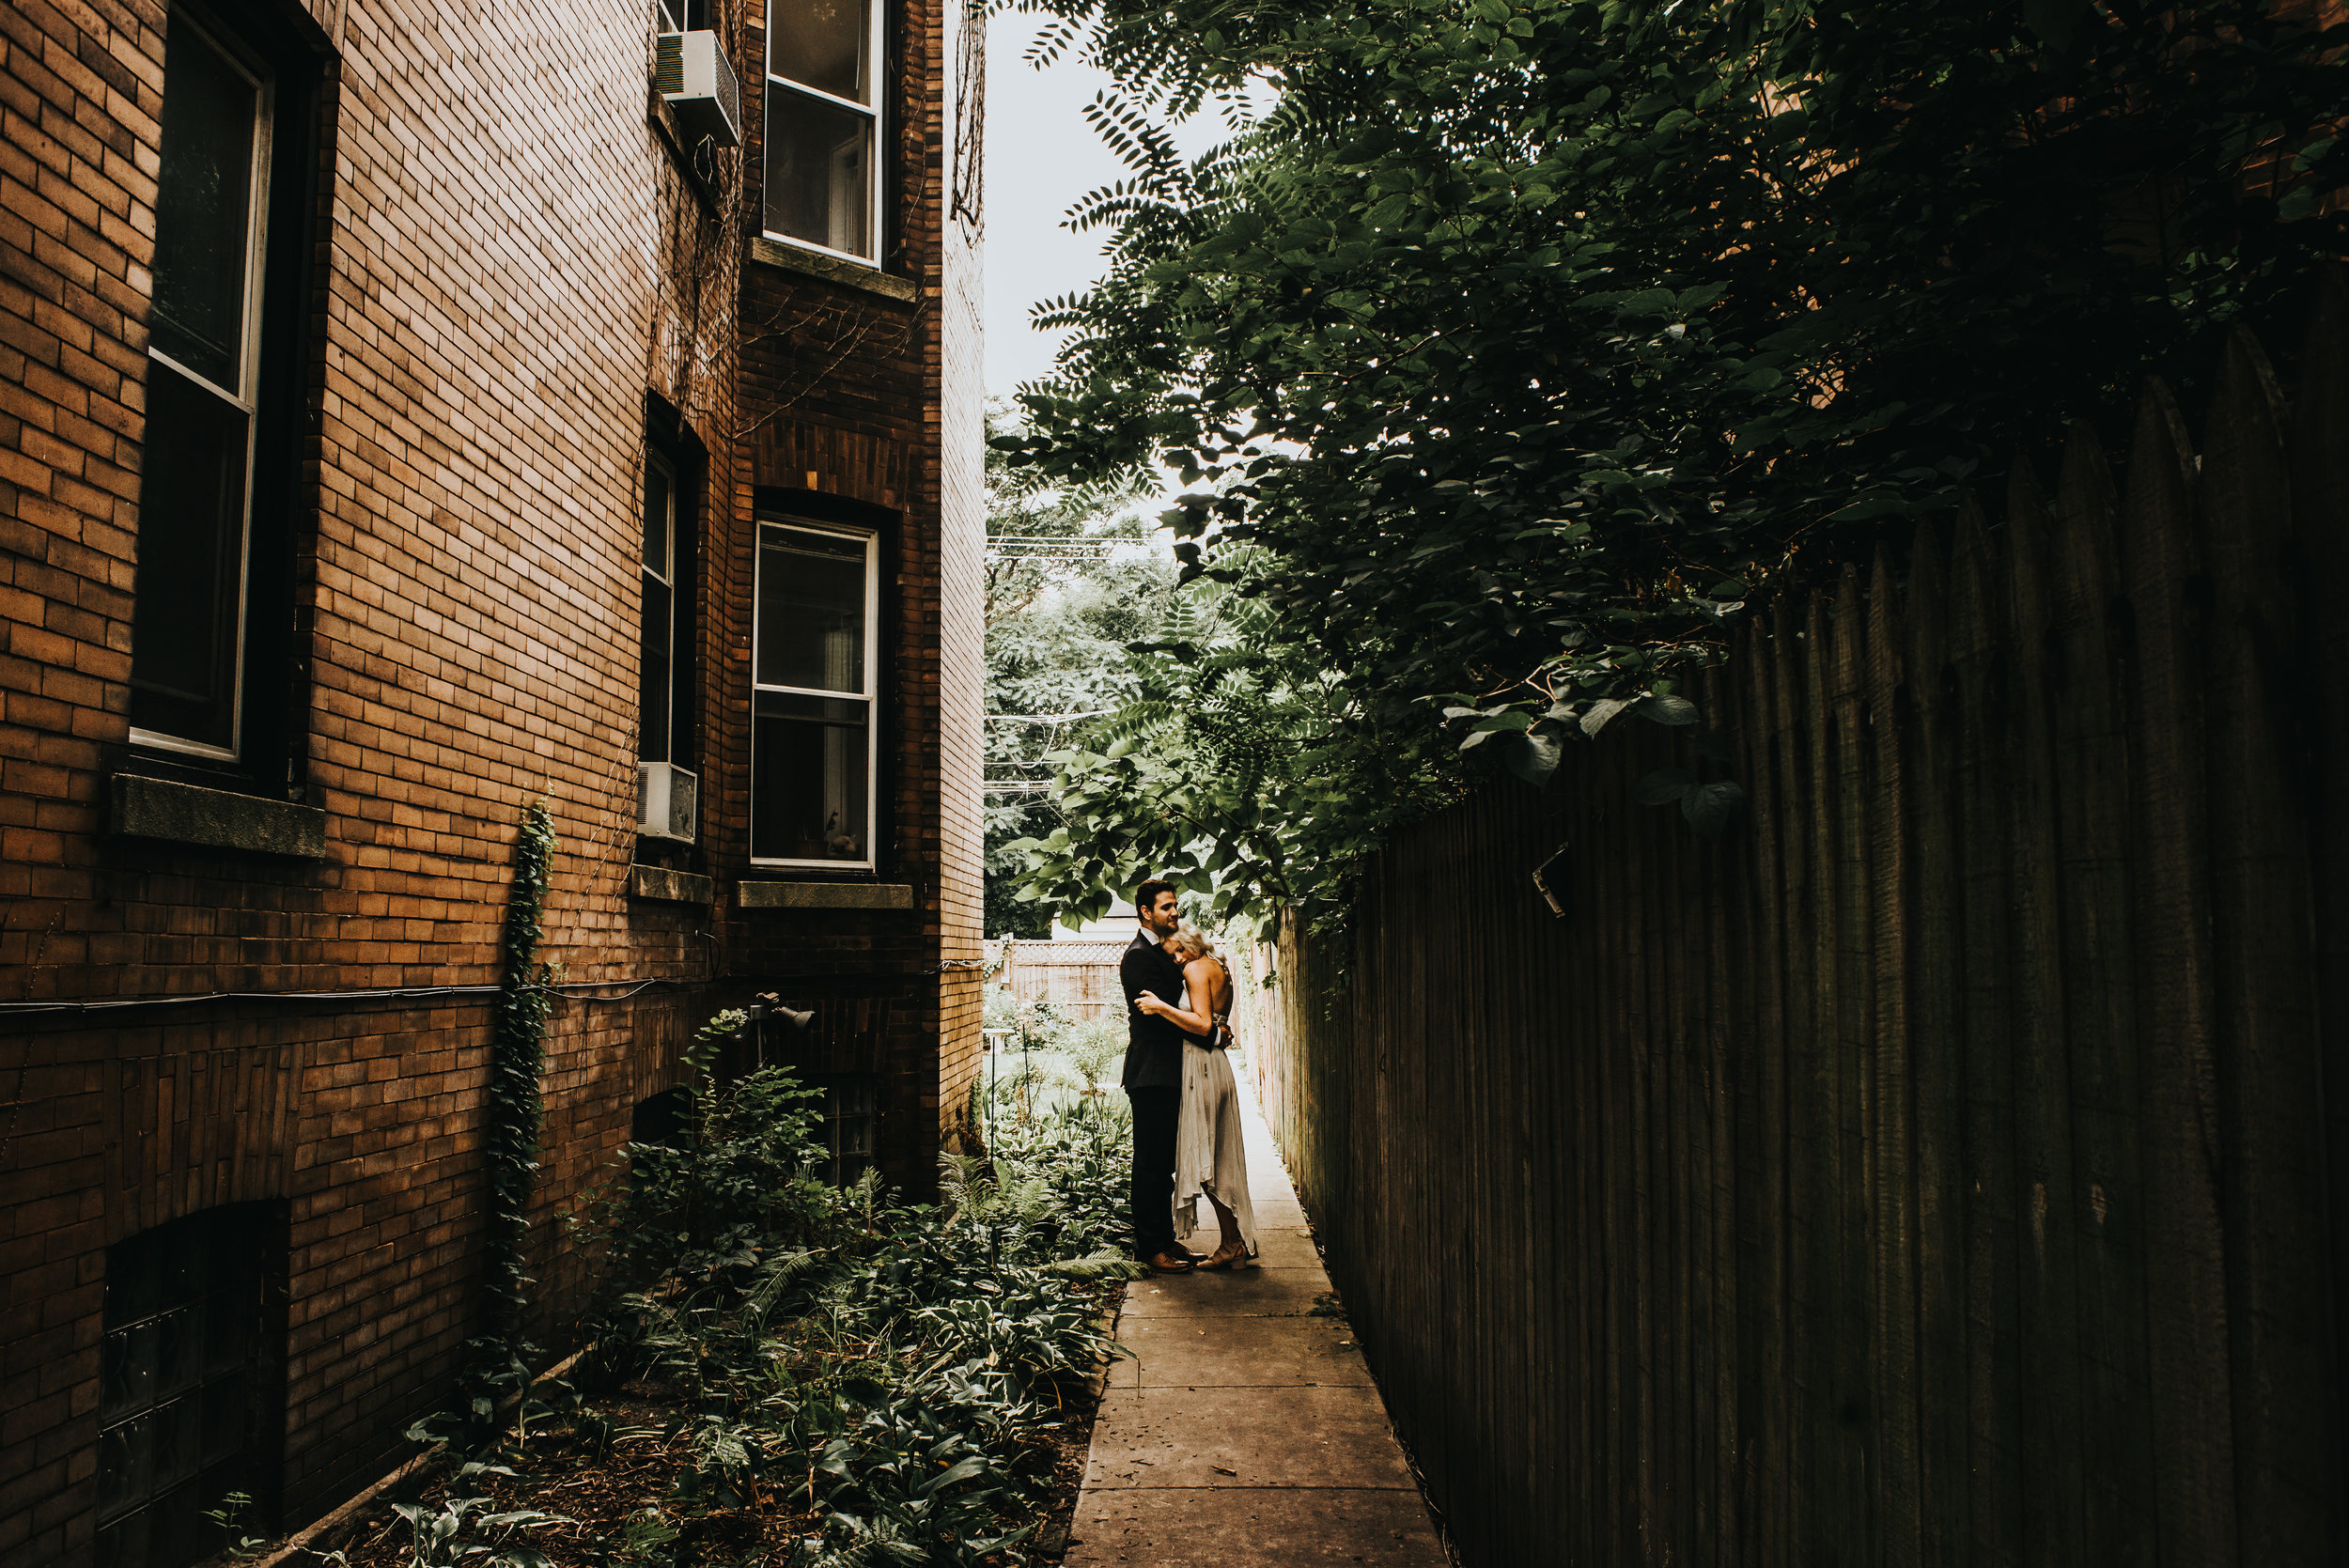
<point>681,16</point>
<point>812,721</point>
<point>824,125</point>
<point>187,626</point>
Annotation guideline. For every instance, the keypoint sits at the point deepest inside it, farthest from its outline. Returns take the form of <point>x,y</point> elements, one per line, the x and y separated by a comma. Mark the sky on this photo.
<point>1041,156</point>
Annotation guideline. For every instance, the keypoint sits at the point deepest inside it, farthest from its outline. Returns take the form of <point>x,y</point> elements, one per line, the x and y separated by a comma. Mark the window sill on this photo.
<point>175,813</point>
<point>824,895</point>
<point>670,887</point>
<point>790,259</point>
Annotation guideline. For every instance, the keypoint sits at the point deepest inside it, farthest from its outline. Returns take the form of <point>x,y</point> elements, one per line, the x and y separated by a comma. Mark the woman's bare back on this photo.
<point>1210,987</point>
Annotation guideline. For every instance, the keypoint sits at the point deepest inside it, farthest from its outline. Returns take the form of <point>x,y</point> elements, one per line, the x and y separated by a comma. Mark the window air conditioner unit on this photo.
<point>691,73</point>
<point>666,800</point>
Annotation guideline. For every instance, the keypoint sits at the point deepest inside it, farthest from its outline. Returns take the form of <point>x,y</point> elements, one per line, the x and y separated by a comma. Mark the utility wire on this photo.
<point>575,991</point>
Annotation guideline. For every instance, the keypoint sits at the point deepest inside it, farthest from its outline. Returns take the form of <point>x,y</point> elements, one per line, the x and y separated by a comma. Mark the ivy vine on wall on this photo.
<point>517,1051</point>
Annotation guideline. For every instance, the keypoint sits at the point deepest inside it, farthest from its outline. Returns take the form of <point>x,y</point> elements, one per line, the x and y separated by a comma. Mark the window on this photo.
<point>196,500</point>
<point>811,731</point>
<point>823,125</point>
<point>847,1136</point>
<point>186,1375</point>
<point>657,675</point>
<point>664,1118</point>
<point>682,16</point>
<point>668,714</point>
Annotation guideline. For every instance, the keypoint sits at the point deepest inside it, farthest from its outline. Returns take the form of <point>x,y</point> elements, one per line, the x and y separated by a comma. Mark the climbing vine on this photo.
<point>517,1051</point>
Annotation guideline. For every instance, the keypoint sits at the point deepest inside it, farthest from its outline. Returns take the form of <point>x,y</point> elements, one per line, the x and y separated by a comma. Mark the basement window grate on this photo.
<point>181,1381</point>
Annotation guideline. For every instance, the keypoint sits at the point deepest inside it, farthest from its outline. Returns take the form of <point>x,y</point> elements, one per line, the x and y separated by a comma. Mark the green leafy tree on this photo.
<point>1522,345</point>
<point>1062,601</point>
<point>1237,768</point>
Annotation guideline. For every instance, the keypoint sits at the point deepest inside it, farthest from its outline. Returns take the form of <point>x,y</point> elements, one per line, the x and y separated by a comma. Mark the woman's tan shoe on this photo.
<point>1236,1253</point>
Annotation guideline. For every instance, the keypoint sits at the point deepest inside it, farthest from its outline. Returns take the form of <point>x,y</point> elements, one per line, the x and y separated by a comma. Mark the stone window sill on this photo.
<point>824,895</point>
<point>790,259</point>
<point>174,812</point>
<point>669,887</point>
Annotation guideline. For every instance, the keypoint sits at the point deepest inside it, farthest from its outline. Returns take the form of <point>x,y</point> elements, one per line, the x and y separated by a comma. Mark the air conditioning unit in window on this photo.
<point>691,74</point>
<point>667,797</point>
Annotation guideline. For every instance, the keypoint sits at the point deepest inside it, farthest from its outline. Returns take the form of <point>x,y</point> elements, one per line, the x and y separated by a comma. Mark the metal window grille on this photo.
<point>849,1123</point>
<point>180,1384</point>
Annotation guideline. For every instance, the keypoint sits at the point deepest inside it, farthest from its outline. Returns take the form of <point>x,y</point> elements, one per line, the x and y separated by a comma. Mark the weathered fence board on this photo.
<point>1078,977</point>
<point>1949,1166</point>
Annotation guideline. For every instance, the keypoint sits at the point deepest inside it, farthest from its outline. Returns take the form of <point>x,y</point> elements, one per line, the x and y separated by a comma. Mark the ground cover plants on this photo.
<point>783,1372</point>
<point>1051,1060</point>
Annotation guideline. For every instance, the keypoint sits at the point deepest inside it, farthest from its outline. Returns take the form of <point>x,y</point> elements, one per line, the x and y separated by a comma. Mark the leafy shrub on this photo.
<point>890,1367</point>
<point>737,1185</point>
<point>1092,1046</point>
<point>1518,350</point>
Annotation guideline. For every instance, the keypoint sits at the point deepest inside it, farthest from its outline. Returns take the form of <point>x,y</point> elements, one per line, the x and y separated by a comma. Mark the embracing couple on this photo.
<point>1178,1075</point>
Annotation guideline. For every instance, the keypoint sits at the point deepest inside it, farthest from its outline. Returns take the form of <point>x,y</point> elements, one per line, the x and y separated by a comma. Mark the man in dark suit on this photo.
<point>1154,1077</point>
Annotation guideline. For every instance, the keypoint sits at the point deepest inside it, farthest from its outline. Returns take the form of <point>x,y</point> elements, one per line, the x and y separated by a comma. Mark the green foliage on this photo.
<point>737,1185</point>
<point>1042,1024</point>
<point>229,1519</point>
<point>1240,770</point>
<point>1056,633</point>
<point>449,1534</point>
<point>646,1536</point>
<point>498,1360</point>
<point>1092,1046</point>
<point>1517,346</point>
<point>1709,804</point>
<point>885,1367</point>
<point>1048,1058</point>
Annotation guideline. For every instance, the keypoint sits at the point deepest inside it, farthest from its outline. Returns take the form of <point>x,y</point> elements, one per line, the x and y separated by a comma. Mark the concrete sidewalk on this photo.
<point>1243,1429</point>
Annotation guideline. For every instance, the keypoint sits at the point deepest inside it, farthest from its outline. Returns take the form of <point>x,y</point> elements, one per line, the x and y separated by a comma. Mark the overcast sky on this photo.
<point>1041,156</point>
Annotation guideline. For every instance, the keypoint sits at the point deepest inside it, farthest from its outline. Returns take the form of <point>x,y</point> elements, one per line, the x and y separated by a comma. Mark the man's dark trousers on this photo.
<point>1154,1085</point>
<point>1156,1111</point>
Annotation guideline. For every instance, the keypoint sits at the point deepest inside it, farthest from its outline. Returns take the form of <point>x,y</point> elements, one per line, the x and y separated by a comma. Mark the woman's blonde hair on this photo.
<point>1192,942</point>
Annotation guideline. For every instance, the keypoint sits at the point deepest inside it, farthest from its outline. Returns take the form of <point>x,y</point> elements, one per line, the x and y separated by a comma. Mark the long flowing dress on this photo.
<point>1208,1160</point>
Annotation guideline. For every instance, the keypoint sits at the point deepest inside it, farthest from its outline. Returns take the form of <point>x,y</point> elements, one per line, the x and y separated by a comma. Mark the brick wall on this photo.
<point>854,395</point>
<point>961,398</point>
<point>508,260</point>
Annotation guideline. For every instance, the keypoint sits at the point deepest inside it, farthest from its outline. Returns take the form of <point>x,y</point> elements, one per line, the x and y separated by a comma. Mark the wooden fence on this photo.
<point>1950,1165</point>
<point>1078,977</point>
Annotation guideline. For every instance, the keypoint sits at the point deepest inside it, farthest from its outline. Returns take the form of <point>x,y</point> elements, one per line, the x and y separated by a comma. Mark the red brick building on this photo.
<point>409,413</point>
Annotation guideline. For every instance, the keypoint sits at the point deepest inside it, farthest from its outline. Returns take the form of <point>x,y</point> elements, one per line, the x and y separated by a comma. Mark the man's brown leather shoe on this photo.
<point>1161,1264</point>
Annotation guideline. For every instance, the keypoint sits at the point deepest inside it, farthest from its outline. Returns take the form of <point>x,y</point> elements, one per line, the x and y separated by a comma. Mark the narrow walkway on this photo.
<point>1243,1428</point>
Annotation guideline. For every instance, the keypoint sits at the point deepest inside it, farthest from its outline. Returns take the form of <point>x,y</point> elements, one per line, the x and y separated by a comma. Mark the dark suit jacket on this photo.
<point>1154,1048</point>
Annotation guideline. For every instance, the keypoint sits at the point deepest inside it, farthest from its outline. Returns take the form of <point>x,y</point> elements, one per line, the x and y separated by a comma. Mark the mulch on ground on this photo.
<point>620,1494</point>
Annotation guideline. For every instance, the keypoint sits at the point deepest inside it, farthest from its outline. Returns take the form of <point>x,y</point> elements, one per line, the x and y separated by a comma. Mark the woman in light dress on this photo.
<point>1208,1161</point>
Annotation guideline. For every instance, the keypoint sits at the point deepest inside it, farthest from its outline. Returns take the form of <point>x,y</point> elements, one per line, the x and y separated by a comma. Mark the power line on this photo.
<point>1018,547</point>
<point>574,990</point>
